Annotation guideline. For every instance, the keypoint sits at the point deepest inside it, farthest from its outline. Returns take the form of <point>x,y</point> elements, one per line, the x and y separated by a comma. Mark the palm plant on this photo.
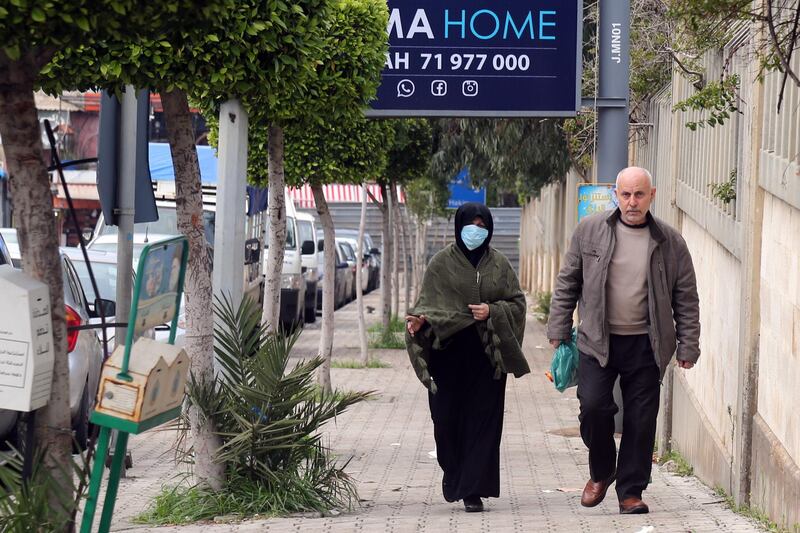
<point>27,504</point>
<point>269,418</point>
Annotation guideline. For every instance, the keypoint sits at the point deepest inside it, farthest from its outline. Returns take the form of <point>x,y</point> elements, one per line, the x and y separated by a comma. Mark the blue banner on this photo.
<point>472,58</point>
<point>461,191</point>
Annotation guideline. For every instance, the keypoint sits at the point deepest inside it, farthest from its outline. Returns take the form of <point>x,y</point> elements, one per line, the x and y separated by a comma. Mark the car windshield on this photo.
<point>10,235</point>
<point>306,231</point>
<point>348,251</point>
<point>291,238</point>
<point>167,224</point>
<point>104,273</point>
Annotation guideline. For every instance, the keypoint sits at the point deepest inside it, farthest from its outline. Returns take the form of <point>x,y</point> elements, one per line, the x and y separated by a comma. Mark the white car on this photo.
<point>12,245</point>
<point>104,249</point>
<point>107,242</point>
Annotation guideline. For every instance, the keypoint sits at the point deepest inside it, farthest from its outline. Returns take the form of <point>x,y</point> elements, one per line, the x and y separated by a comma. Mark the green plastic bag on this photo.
<point>564,367</point>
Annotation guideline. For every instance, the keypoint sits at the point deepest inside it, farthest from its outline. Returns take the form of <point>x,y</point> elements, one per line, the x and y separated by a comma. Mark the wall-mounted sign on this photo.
<point>595,198</point>
<point>500,59</point>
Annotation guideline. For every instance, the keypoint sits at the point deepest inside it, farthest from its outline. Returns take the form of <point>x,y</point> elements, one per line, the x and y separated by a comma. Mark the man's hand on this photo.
<point>685,364</point>
<point>555,343</point>
<point>479,311</point>
<point>414,323</point>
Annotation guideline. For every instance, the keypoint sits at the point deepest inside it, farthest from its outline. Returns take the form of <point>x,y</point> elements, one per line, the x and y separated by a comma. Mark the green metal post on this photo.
<point>96,480</point>
<point>113,481</point>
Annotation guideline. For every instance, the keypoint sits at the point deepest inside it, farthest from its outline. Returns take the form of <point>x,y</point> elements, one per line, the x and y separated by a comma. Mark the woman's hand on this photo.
<point>414,323</point>
<point>479,311</point>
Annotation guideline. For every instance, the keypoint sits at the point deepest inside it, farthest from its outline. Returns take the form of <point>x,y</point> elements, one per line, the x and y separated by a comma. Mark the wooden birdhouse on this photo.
<point>149,394</point>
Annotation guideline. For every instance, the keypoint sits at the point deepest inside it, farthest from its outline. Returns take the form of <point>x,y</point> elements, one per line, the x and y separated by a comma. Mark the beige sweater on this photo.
<point>626,289</point>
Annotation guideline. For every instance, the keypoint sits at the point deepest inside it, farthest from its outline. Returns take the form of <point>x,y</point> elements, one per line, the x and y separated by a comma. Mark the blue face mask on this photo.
<point>473,236</point>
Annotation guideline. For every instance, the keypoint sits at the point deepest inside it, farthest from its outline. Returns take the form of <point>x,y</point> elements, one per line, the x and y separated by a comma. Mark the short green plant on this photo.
<point>372,363</point>
<point>754,514</point>
<point>683,468</point>
<point>392,338</point>
<point>543,304</point>
<point>269,419</point>
<point>28,506</point>
<point>726,190</point>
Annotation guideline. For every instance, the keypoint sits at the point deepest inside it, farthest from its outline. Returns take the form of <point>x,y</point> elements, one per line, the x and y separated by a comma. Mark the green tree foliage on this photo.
<point>347,75</point>
<point>214,50</point>
<point>516,155</point>
<point>410,153</point>
<point>427,195</point>
<point>352,150</point>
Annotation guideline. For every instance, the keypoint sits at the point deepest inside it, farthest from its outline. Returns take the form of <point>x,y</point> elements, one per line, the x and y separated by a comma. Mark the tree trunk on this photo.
<point>405,232</point>
<point>328,281</point>
<point>386,261</point>
<point>362,326</point>
<point>277,233</point>
<point>34,220</point>
<point>198,293</point>
<point>421,254</point>
<point>396,236</point>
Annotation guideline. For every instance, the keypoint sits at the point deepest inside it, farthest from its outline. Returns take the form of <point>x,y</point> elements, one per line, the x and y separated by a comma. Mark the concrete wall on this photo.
<point>779,349</point>
<point>776,438</point>
<point>714,380</point>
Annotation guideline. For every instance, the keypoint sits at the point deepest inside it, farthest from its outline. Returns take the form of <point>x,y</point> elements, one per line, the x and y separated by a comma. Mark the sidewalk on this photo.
<point>388,439</point>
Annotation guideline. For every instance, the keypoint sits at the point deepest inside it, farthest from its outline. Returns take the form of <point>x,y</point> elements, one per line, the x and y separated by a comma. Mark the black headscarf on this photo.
<point>464,217</point>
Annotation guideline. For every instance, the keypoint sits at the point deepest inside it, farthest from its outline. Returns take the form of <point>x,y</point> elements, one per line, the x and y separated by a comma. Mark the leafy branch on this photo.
<point>719,98</point>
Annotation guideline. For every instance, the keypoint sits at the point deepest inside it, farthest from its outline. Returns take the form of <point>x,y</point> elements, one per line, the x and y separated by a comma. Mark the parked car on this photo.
<point>107,243</point>
<point>11,246</point>
<point>340,277</point>
<point>350,257</point>
<point>5,255</point>
<point>293,284</point>
<point>306,228</point>
<point>371,254</point>
<point>104,266</point>
<point>85,357</point>
<point>363,262</point>
<point>167,224</point>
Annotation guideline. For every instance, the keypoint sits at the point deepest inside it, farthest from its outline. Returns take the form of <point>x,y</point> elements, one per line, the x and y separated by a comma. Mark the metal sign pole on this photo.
<point>612,113</point>
<point>126,194</point>
<point>614,64</point>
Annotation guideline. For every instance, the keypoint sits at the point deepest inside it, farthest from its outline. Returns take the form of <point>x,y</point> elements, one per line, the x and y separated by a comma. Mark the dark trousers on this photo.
<point>630,357</point>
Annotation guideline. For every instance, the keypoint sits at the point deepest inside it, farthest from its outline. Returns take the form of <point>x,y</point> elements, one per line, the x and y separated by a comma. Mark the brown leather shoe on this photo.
<point>595,491</point>
<point>633,505</point>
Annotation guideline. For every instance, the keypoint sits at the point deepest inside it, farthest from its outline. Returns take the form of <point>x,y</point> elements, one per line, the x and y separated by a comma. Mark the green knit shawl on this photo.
<point>449,285</point>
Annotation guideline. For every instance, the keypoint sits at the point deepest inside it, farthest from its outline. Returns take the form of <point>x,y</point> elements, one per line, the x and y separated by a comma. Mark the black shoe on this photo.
<point>473,504</point>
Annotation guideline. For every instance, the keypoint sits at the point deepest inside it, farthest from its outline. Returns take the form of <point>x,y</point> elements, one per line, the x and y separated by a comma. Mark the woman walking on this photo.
<point>463,337</point>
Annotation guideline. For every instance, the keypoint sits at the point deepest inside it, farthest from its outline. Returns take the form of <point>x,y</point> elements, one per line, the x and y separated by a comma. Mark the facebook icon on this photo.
<point>438,87</point>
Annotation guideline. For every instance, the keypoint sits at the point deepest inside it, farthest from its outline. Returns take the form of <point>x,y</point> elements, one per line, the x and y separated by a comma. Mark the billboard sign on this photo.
<point>467,58</point>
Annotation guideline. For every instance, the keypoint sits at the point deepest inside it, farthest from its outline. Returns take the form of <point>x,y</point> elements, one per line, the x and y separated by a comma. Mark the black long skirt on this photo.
<point>467,414</point>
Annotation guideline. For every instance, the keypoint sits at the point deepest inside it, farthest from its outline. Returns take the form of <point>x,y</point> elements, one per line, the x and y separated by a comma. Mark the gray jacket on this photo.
<point>674,309</point>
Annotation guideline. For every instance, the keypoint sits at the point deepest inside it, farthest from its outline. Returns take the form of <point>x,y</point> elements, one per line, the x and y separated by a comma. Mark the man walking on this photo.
<point>633,280</point>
